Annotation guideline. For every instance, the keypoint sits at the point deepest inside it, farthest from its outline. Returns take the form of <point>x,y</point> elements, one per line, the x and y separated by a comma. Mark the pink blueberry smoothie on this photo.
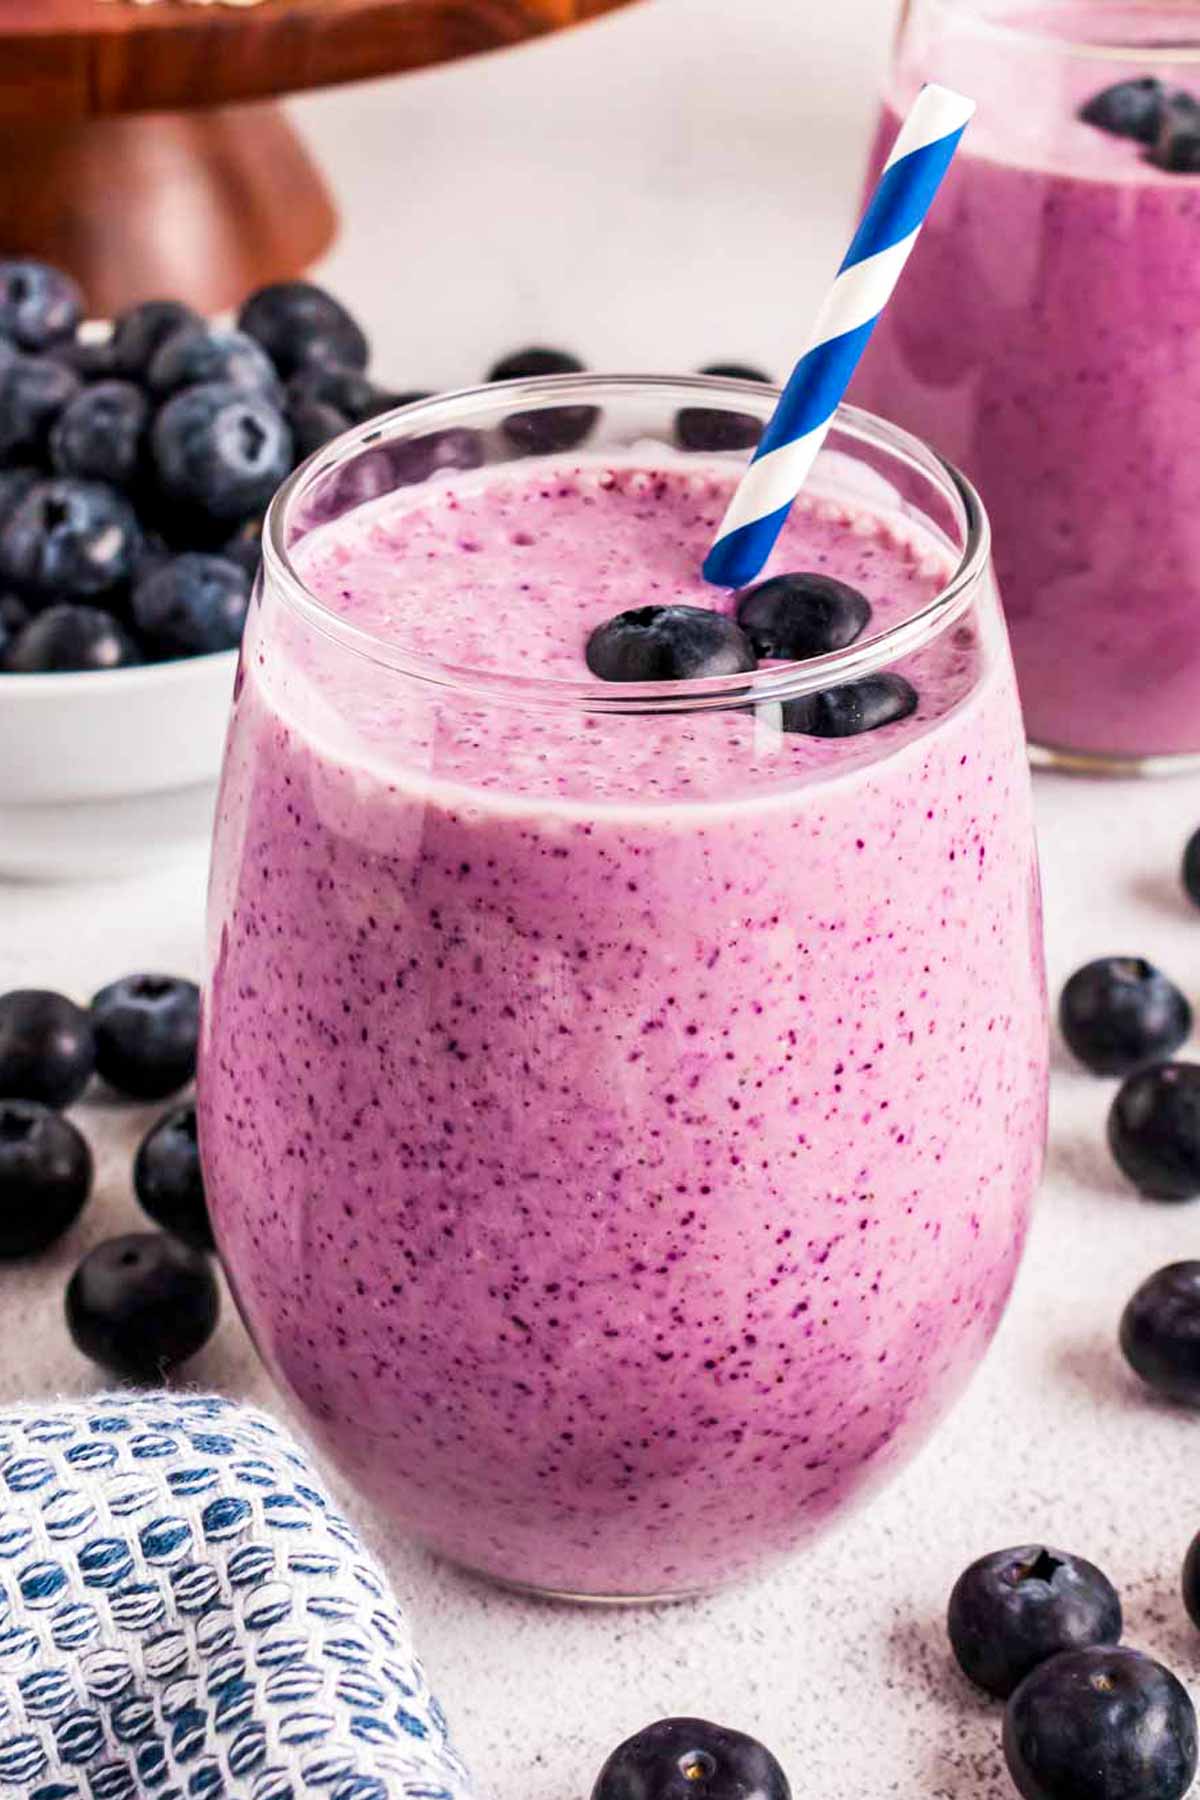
<point>620,1129</point>
<point>1045,339</point>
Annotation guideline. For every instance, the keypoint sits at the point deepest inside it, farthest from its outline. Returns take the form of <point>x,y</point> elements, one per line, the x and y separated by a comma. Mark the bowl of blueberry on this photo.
<point>137,457</point>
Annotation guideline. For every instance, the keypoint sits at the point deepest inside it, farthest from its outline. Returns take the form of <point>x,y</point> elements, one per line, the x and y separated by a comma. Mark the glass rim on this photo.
<point>1041,39</point>
<point>776,683</point>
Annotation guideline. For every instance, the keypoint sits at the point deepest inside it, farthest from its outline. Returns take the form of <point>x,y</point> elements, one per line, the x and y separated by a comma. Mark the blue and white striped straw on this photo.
<point>872,266</point>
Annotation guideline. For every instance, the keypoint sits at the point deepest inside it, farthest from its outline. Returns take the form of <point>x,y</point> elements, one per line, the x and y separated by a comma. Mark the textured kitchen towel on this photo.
<point>185,1616</point>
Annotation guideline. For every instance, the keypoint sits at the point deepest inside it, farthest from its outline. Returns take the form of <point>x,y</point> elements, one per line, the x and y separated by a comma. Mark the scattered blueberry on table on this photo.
<point>1190,870</point>
<point>1154,1130</point>
<point>142,1304</point>
<point>1014,1608</point>
<point>47,1047</point>
<point>548,428</point>
<point>168,1179</point>
<point>714,428</point>
<point>1190,1584</point>
<point>147,1028</point>
<point>1160,1332</point>
<point>1119,1012</point>
<point>1103,1723</point>
<point>691,1759</point>
<point>45,1176</point>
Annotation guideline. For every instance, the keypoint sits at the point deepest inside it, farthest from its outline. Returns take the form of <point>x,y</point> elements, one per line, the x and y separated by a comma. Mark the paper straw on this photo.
<point>870,270</point>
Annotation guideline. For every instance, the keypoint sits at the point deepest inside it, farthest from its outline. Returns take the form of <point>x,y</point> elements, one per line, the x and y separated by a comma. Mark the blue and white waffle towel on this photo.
<point>185,1616</point>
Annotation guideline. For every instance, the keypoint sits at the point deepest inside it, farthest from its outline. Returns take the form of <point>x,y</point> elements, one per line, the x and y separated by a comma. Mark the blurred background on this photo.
<point>664,187</point>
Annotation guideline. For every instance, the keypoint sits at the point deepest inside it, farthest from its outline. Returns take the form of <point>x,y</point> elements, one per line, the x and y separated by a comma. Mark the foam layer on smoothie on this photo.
<point>510,572</point>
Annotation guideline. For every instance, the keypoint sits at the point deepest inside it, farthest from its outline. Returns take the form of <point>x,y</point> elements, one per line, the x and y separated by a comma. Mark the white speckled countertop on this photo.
<point>697,161</point>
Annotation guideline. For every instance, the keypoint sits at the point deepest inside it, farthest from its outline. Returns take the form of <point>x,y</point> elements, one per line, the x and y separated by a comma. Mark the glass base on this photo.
<point>1087,762</point>
<point>564,1597</point>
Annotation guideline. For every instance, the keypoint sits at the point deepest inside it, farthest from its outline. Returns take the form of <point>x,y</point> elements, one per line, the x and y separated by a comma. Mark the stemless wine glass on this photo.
<point>1044,337</point>
<point>619,1115</point>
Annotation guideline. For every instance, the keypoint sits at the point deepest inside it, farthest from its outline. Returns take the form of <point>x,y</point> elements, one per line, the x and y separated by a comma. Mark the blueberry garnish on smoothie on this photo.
<point>852,708</point>
<point>1177,147</point>
<point>793,617</point>
<point>1166,120</point>
<point>668,643</point>
<point>1129,109</point>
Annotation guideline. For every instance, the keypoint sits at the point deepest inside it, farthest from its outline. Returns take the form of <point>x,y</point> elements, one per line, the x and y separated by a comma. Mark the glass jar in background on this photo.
<point>620,1106</point>
<point>1044,337</point>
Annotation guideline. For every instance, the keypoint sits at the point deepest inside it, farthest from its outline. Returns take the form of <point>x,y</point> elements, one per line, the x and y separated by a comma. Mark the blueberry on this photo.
<point>710,428</point>
<point>421,458</point>
<point>801,615</point>
<point>98,434</point>
<point>168,1181</point>
<point>15,483</point>
<point>1154,1130</point>
<point>202,353</point>
<point>139,334</point>
<point>1160,1332</point>
<point>244,548</point>
<point>192,605</point>
<point>69,539</point>
<point>1191,1579</point>
<point>736,372</point>
<point>366,476</point>
<point>91,358</point>
<point>1191,859</point>
<point>14,617</point>
<point>70,638</point>
<point>33,391</point>
<point>220,451</point>
<point>298,324</point>
<point>47,1049</point>
<point>1119,1013</point>
<point>668,643</point>
<point>147,1027</point>
<point>38,304</point>
<point>313,425</point>
<point>550,428</point>
<point>525,365</point>
<point>691,1759</point>
<point>1177,146</point>
<point>1011,1610</point>
<point>142,1304</point>
<point>348,391</point>
<point>855,707</point>
<point>1130,109</point>
<point>1105,1723</point>
<point>45,1176</point>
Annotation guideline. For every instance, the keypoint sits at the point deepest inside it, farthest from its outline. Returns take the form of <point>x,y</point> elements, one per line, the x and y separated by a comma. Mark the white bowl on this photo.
<point>106,772</point>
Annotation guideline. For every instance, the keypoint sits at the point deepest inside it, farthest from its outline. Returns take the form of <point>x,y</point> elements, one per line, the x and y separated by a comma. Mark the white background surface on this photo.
<point>663,189</point>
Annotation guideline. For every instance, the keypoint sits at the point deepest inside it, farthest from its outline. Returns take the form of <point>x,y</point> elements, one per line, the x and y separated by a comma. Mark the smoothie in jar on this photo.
<point>620,1125</point>
<point>1044,339</point>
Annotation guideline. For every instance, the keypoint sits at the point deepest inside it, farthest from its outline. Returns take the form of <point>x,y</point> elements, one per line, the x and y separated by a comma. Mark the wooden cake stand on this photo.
<point>139,150</point>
